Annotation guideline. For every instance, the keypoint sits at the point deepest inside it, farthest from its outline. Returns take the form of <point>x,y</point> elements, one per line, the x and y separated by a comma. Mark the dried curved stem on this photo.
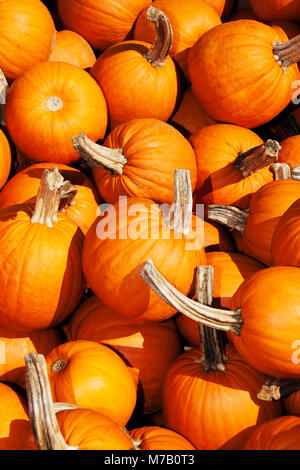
<point>225,320</point>
<point>275,389</point>
<point>96,155</point>
<point>230,216</point>
<point>162,45</point>
<point>287,53</point>
<point>281,171</point>
<point>3,92</point>
<point>45,428</point>
<point>179,215</point>
<point>257,158</point>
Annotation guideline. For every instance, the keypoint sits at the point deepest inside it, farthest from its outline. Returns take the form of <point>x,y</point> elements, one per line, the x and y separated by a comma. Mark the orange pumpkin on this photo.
<point>289,152</point>
<point>27,34</point>
<point>14,420</point>
<point>47,105</point>
<point>278,434</point>
<point>72,48</point>
<point>5,159</point>
<point>218,5</point>
<point>286,239</point>
<point>158,438</point>
<point>273,10</point>
<point>216,239</point>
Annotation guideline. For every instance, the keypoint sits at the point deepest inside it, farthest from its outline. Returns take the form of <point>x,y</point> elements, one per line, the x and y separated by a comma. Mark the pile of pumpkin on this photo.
<point>129,319</point>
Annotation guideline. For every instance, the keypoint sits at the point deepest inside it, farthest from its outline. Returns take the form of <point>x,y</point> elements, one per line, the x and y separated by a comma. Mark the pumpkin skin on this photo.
<point>289,152</point>
<point>22,188</point>
<point>291,404</point>
<point>273,10</point>
<point>189,20</point>
<point>14,420</point>
<point>41,264</point>
<point>286,239</point>
<point>267,341</point>
<point>278,434</point>
<point>105,257</point>
<point>27,35</point>
<point>132,87</point>
<point>215,399</point>
<point>230,271</point>
<point>236,94</point>
<point>218,182</point>
<point>31,99</point>
<point>149,348</point>
<point>215,238</point>
<point>147,144</point>
<point>158,438</point>
<point>103,23</point>
<point>218,5</point>
<point>72,48</point>
<point>93,377</point>
<point>5,159</point>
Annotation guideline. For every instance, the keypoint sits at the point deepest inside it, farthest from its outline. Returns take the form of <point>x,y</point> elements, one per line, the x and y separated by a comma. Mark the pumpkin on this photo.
<point>189,20</point>
<point>218,5</point>
<point>158,438</point>
<point>215,238</point>
<point>273,10</point>
<point>233,163</point>
<point>103,23</point>
<point>138,159</point>
<point>27,35</point>
<point>14,420</point>
<point>40,260</point>
<point>215,399</point>
<point>47,105</point>
<point>118,245</point>
<point>149,348</point>
<point>292,404</point>
<point>5,159</point>
<point>72,48</point>
<point>139,80</point>
<point>22,188</point>
<point>289,151</point>
<point>286,239</point>
<point>236,78</point>
<point>282,433</point>
<point>93,376</point>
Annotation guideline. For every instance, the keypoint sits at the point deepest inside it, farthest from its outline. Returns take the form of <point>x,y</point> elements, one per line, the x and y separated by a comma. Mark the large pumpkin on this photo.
<point>273,10</point>
<point>286,239</point>
<point>5,159</point>
<point>14,420</point>
<point>27,34</point>
<point>72,48</point>
<point>47,105</point>
<point>278,434</point>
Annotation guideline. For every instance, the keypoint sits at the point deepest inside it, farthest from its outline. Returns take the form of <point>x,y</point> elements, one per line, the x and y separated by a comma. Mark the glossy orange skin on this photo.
<point>87,430</point>
<point>5,159</point>
<point>216,148</point>
<point>204,406</point>
<point>27,35</point>
<point>149,348</point>
<point>235,93</point>
<point>286,239</point>
<point>189,21</point>
<point>41,264</point>
<point>158,438</point>
<point>292,404</point>
<point>72,48</point>
<point>132,87</point>
<point>218,5</point>
<point>103,23</point>
<point>273,10</point>
<point>278,434</point>
<point>230,271</point>
<point>14,420</point>
<point>267,205</point>
<point>289,152</point>
<point>268,338</point>
<point>154,150</point>
<point>118,256</point>
<point>23,187</point>
<point>14,346</point>
<point>94,377</point>
<point>84,110</point>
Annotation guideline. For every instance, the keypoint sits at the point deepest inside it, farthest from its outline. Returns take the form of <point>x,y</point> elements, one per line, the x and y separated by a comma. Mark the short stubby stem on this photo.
<point>281,171</point>
<point>179,215</point>
<point>287,53</point>
<point>59,365</point>
<point>257,158</point>
<point>54,103</point>
<point>96,155</point>
<point>230,216</point>
<point>275,389</point>
<point>162,45</point>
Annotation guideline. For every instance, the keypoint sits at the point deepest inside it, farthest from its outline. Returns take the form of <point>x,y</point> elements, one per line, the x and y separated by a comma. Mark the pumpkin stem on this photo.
<point>230,216</point>
<point>213,347</point>
<point>287,53</point>
<point>275,389</point>
<point>3,92</point>
<point>96,155</point>
<point>257,157</point>
<point>45,428</point>
<point>296,173</point>
<point>161,47</point>
<point>281,171</point>
<point>52,192</point>
<point>225,320</point>
<point>179,215</point>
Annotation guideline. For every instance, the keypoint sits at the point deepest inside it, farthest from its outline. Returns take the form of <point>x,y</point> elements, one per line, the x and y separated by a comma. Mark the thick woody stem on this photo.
<point>257,158</point>
<point>225,320</point>
<point>287,53</point>
<point>161,47</point>
<point>179,215</point>
<point>213,354</point>
<point>281,171</point>
<point>275,389</point>
<point>3,91</point>
<point>230,216</point>
<point>296,173</point>
<point>45,428</point>
<point>96,155</point>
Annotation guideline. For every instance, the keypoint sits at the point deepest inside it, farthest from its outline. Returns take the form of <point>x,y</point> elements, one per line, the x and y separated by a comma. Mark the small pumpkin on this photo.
<point>72,48</point>
<point>282,433</point>
<point>286,239</point>
<point>159,438</point>
<point>273,10</point>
